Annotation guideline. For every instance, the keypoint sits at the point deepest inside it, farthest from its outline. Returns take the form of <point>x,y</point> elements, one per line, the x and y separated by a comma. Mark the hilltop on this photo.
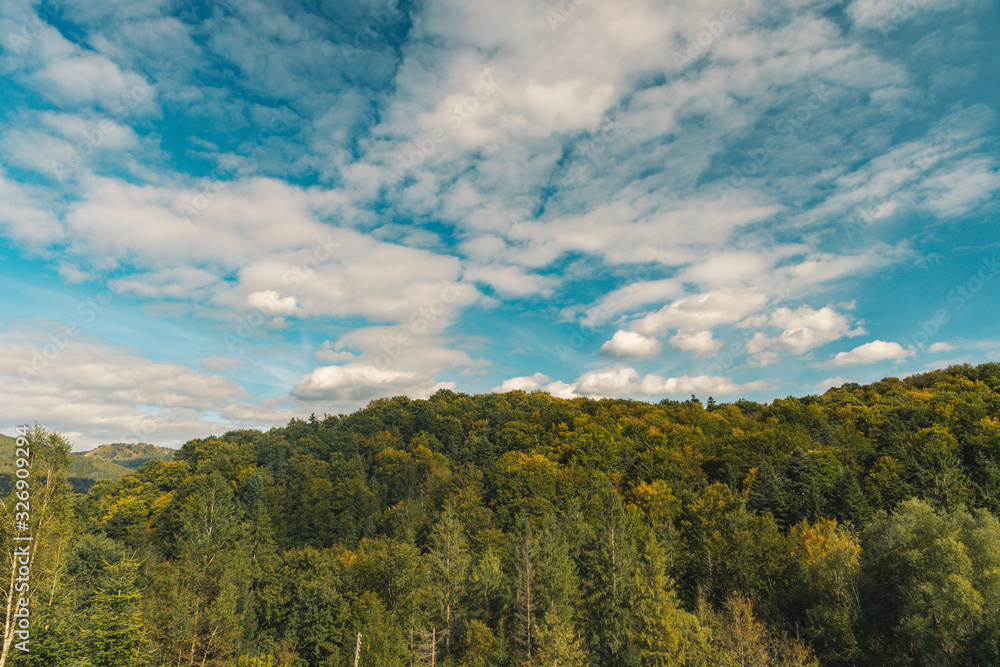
<point>112,461</point>
<point>131,455</point>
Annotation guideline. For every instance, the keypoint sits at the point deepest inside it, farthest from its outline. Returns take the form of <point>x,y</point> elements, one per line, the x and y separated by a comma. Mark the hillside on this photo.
<point>131,455</point>
<point>82,472</point>
<point>857,528</point>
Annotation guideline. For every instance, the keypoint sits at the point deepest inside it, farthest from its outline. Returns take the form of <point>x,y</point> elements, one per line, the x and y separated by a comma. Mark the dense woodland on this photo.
<point>854,528</point>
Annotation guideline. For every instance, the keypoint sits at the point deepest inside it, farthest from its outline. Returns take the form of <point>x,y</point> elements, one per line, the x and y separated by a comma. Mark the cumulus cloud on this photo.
<point>24,217</point>
<point>830,383</point>
<point>272,303</point>
<point>623,381</point>
<point>700,342</point>
<point>631,345</point>
<point>511,281</point>
<point>537,382</point>
<point>804,329</point>
<point>357,382</point>
<point>869,353</point>
<point>607,382</point>
<point>700,384</point>
<point>701,312</point>
<point>525,383</point>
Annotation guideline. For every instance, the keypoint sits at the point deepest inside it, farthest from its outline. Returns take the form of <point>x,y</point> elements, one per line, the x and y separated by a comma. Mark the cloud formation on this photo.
<point>327,203</point>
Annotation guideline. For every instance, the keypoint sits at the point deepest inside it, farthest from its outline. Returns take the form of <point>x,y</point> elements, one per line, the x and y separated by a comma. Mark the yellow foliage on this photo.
<point>161,502</point>
<point>822,545</point>
<point>656,500</point>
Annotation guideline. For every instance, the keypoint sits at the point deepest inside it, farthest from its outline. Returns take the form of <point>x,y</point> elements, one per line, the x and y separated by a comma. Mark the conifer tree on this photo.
<point>449,561</point>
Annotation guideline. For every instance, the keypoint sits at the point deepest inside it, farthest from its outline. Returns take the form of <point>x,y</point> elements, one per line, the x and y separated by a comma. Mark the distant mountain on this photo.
<point>112,461</point>
<point>130,454</point>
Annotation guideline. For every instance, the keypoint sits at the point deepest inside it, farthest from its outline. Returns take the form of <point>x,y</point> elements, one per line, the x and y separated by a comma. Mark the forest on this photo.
<point>854,528</point>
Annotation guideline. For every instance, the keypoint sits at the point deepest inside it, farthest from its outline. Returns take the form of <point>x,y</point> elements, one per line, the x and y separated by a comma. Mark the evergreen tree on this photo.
<point>846,501</point>
<point>558,644</point>
<point>449,562</point>
<point>767,493</point>
<point>660,630</point>
<point>608,572</point>
<point>113,633</point>
<point>803,491</point>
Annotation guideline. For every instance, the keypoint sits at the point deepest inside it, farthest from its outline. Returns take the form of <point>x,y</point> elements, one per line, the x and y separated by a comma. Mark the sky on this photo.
<point>228,214</point>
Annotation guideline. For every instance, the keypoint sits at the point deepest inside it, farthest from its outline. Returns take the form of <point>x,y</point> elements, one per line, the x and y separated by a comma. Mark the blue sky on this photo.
<point>220,215</point>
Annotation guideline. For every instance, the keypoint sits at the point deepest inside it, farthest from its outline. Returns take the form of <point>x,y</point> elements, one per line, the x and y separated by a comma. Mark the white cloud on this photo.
<point>608,382</point>
<point>630,296</point>
<point>511,281</point>
<point>272,303</point>
<point>319,269</point>
<point>700,384</point>
<point>941,347</point>
<point>885,14</point>
<point>701,312</point>
<point>700,342</point>
<point>526,383</point>
<point>804,329</point>
<point>728,268</point>
<point>830,383</point>
<point>631,345</point>
<point>95,393</point>
<point>869,353</point>
<point>961,187</point>
<point>185,283</point>
<point>356,382</point>
<point>622,381</point>
<point>24,218</point>
<point>332,353</point>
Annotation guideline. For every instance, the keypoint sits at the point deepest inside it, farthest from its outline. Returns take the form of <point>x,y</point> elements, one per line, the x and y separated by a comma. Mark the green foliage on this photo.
<point>931,585</point>
<point>853,528</point>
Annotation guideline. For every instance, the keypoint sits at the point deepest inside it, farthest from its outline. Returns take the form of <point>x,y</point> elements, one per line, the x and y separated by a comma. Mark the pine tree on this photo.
<point>802,489</point>
<point>660,630</point>
<point>113,633</point>
<point>608,570</point>
<point>846,501</point>
<point>767,493</point>
<point>449,561</point>
<point>558,644</point>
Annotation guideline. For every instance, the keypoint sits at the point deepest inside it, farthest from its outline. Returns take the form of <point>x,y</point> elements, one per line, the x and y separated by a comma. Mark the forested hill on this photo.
<point>854,528</point>
<point>130,455</point>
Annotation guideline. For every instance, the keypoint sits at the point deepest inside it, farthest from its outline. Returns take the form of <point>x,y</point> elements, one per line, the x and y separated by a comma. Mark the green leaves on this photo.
<point>930,584</point>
